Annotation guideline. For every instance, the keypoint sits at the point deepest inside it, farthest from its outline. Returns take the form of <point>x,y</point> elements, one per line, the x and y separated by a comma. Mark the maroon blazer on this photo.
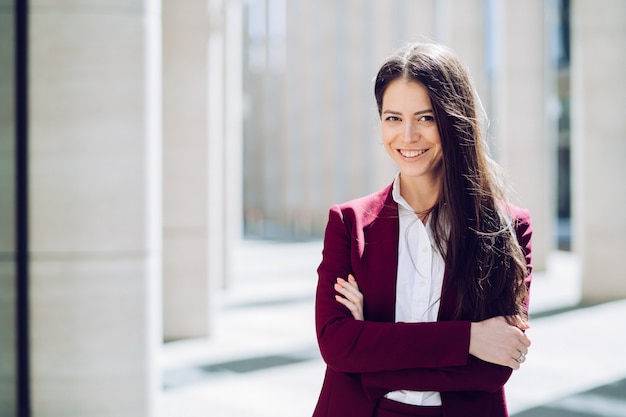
<point>367,359</point>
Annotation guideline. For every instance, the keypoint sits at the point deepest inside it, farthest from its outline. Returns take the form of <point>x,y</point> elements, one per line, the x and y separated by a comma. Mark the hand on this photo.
<point>350,296</point>
<point>495,340</point>
<point>518,321</point>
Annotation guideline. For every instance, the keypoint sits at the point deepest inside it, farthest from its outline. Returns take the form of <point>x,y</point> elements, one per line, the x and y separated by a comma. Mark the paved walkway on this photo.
<point>263,360</point>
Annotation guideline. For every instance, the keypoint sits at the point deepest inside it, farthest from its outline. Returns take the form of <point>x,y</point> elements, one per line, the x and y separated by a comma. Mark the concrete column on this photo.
<point>186,293</point>
<point>598,145</point>
<point>233,133</point>
<point>523,145</point>
<point>297,125</point>
<point>461,26</point>
<point>8,343</point>
<point>306,112</point>
<point>95,216</point>
<point>216,81</point>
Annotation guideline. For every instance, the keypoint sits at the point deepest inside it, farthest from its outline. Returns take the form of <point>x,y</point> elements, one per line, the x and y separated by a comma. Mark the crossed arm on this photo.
<point>494,349</point>
<point>492,340</point>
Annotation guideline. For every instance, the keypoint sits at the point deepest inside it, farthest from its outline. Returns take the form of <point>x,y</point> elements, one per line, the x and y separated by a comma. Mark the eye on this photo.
<point>427,118</point>
<point>392,119</point>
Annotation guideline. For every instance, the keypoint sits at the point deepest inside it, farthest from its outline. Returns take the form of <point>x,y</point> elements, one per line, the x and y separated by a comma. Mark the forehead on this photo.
<point>402,93</point>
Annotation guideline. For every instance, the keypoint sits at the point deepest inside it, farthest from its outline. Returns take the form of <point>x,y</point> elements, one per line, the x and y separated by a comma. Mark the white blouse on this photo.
<point>419,283</point>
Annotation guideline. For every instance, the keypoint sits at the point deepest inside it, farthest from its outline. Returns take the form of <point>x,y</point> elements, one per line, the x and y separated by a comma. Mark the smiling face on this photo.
<point>409,131</point>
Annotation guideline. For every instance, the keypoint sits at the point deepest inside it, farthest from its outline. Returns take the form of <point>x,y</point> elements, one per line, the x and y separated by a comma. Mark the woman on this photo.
<point>422,297</point>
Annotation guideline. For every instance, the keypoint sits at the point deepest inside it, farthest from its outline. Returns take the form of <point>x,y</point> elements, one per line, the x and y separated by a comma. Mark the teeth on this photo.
<point>412,154</point>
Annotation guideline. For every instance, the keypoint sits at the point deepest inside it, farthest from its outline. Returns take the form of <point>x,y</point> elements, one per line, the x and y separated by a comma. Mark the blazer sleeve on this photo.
<point>524,232</point>
<point>476,375</point>
<point>353,346</point>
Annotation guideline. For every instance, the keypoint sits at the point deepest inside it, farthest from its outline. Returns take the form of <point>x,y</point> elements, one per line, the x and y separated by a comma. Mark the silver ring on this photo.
<point>521,358</point>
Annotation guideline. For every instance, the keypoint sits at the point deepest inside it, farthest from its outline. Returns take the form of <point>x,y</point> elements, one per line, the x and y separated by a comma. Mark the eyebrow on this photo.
<point>417,113</point>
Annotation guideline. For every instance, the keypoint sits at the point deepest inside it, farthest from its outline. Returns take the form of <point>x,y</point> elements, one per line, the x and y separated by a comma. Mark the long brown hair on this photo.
<point>471,225</point>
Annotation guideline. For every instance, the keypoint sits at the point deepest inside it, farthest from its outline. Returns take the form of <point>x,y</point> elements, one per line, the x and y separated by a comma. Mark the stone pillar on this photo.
<point>216,80</point>
<point>8,342</point>
<point>523,145</point>
<point>233,133</point>
<point>186,294</point>
<point>598,147</point>
<point>95,216</point>
<point>461,26</point>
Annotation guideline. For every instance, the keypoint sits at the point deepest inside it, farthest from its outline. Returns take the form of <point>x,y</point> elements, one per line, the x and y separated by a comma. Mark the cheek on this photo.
<point>387,135</point>
<point>388,144</point>
<point>438,158</point>
<point>385,139</point>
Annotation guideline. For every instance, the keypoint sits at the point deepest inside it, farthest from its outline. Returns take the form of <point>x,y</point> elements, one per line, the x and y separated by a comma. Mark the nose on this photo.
<point>411,131</point>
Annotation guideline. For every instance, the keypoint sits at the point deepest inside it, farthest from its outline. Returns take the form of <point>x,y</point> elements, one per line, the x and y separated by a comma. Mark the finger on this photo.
<point>518,347</point>
<point>349,288</point>
<point>354,309</point>
<point>350,283</point>
<point>342,290</point>
<point>512,360</point>
<point>352,280</point>
<point>520,358</point>
<point>347,292</point>
<point>520,322</point>
<point>521,345</point>
<point>347,303</point>
<point>522,349</point>
<point>525,340</point>
<point>342,287</point>
<point>521,337</point>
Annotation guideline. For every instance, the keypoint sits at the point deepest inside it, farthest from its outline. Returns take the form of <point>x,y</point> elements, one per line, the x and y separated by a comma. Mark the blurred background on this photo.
<point>166,169</point>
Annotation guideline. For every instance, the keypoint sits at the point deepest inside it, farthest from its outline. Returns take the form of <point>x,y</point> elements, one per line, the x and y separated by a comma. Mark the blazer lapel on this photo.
<point>380,258</point>
<point>378,261</point>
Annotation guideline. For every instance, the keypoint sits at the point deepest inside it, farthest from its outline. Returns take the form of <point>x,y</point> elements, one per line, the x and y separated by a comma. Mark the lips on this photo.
<point>408,153</point>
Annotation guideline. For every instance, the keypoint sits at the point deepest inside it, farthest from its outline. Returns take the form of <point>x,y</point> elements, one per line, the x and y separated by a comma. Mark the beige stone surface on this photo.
<point>522,143</point>
<point>598,145</point>
<point>7,130</point>
<point>8,338</point>
<point>89,337</point>
<point>87,132</point>
<point>186,297</point>
<point>94,287</point>
<point>8,334</point>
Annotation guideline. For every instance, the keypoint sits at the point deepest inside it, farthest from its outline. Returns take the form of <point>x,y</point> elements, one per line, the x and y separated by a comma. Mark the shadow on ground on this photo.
<point>605,401</point>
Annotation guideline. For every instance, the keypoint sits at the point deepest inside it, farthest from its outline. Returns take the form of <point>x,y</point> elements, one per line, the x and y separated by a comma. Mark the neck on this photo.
<point>421,193</point>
